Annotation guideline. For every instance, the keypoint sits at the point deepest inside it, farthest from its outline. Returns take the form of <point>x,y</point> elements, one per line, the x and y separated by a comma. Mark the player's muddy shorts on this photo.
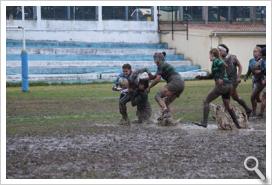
<point>221,90</point>
<point>176,85</point>
<point>235,85</point>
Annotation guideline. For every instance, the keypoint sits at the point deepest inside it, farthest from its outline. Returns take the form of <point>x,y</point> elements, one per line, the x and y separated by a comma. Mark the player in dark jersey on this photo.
<point>263,96</point>
<point>121,84</point>
<point>222,88</point>
<point>140,99</point>
<point>257,66</point>
<point>134,92</point>
<point>232,63</point>
<point>173,88</point>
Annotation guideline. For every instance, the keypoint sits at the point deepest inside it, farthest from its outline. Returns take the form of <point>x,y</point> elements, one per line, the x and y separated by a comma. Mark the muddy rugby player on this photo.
<point>140,99</point>
<point>224,71</point>
<point>257,67</point>
<point>222,88</point>
<point>133,87</point>
<point>173,88</point>
<point>232,63</point>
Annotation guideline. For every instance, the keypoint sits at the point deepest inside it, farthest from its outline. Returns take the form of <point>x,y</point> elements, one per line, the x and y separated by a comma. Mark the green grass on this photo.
<point>46,109</point>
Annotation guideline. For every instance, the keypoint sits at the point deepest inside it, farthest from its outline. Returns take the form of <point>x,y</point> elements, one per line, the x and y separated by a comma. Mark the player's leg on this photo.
<point>226,101</point>
<point>160,98</point>
<point>206,104</point>
<point>124,99</point>
<point>257,89</point>
<point>263,104</point>
<point>169,100</point>
<point>235,96</point>
<point>253,99</point>
<point>144,113</point>
<point>174,90</point>
<point>213,94</point>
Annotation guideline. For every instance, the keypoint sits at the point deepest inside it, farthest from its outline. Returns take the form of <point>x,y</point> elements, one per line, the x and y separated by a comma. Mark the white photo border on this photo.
<point>133,3</point>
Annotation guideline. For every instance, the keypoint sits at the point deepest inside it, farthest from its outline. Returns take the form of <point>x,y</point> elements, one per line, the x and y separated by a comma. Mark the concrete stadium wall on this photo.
<point>197,47</point>
<point>87,31</point>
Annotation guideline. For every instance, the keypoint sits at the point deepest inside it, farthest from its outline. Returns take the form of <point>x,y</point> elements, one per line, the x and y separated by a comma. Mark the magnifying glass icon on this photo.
<point>255,168</point>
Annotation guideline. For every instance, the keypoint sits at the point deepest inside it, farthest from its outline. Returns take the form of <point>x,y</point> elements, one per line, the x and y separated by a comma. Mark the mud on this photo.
<point>138,151</point>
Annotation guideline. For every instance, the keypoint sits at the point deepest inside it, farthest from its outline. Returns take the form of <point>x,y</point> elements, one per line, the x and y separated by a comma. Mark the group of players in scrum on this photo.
<point>226,70</point>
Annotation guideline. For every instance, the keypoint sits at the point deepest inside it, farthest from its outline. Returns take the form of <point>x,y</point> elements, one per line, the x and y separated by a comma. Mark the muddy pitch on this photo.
<point>138,151</point>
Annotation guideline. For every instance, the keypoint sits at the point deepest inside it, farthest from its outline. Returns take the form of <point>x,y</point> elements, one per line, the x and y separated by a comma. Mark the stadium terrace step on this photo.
<point>83,70</point>
<point>90,51</point>
<point>57,44</point>
<point>87,63</point>
<point>34,57</point>
<point>79,62</point>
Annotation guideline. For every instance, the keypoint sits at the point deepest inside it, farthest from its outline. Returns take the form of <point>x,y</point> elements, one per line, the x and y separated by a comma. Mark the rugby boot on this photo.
<point>248,113</point>
<point>124,121</point>
<point>234,118</point>
<point>201,124</point>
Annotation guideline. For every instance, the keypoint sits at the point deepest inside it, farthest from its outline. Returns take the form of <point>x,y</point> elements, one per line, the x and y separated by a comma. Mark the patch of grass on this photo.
<point>51,108</point>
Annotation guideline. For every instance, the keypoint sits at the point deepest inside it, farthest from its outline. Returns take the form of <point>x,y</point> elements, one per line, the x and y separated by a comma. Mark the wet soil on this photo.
<point>138,151</point>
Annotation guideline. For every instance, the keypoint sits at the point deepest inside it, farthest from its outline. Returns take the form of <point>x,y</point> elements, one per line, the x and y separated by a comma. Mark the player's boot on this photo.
<point>201,124</point>
<point>261,115</point>
<point>248,113</point>
<point>253,114</point>
<point>234,118</point>
<point>137,121</point>
<point>170,121</point>
<point>124,121</point>
<point>166,114</point>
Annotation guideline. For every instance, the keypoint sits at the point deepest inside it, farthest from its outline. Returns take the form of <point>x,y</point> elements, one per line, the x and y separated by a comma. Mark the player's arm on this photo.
<point>240,69</point>
<point>209,76</point>
<point>263,67</point>
<point>248,73</point>
<point>154,82</point>
<point>115,84</point>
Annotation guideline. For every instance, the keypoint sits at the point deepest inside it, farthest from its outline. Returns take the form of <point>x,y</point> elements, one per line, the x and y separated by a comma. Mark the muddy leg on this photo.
<point>144,113</point>
<point>206,109</point>
<point>169,100</point>
<point>254,96</point>
<point>124,99</point>
<point>160,98</point>
<point>254,101</point>
<point>263,105</point>
<point>236,97</point>
<point>231,112</point>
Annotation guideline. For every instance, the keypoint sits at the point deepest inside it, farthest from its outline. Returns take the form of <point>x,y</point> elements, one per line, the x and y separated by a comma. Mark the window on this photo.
<point>14,12</point>
<point>167,12</point>
<point>69,12</point>
<point>30,12</point>
<point>240,13</point>
<point>140,13</point>
<point>193,13</point>
<point>54,12</point>
<point>84,12</point>
<point>114,13</point>
<point>260,12</point>
<point>218,13</point>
